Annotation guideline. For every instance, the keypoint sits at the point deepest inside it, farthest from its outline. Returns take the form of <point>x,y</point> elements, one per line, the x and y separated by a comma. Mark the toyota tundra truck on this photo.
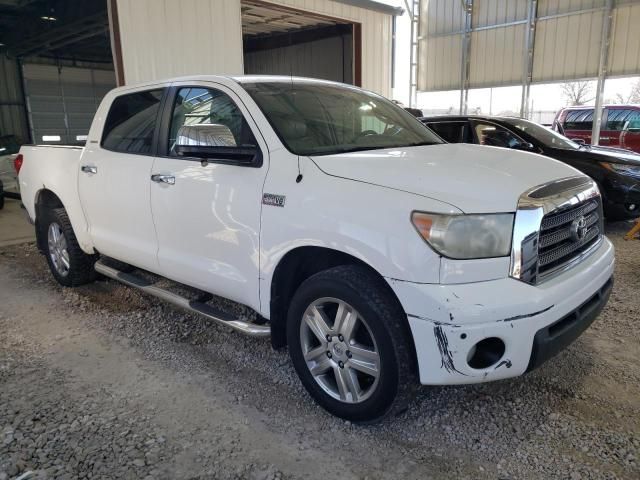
<point>379,255</point>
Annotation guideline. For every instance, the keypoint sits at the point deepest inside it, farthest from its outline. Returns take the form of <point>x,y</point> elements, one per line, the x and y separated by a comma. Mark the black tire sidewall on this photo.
<point>377,405</point>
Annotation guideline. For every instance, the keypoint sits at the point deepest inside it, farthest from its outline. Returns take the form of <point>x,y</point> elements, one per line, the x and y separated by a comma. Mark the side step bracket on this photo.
<point>193,306</point>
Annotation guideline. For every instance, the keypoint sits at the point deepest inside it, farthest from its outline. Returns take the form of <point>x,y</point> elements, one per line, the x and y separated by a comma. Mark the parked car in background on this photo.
<point>620,125</point>
<point>379,254</point>
<point>9,148</point>
<point>616,171</point>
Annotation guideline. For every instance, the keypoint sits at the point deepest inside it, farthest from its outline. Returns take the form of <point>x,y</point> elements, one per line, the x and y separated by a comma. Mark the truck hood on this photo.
<point>473,178</point>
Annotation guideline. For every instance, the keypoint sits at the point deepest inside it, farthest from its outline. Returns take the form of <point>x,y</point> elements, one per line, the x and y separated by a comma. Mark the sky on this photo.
<point>546,97</point>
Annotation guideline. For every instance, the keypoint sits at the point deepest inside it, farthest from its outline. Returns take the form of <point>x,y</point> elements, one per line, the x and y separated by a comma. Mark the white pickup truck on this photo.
<point>380,255</point>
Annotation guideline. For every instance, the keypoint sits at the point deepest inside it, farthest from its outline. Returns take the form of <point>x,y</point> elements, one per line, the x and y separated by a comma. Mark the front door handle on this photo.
<point>89,169</point>
<point>168,179</point>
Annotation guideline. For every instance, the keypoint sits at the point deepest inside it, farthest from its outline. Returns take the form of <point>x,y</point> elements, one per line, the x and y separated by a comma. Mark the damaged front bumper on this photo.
<point>483,331</point>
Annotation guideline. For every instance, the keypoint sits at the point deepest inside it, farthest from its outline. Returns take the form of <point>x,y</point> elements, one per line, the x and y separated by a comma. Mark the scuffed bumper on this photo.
<point>448,320</point>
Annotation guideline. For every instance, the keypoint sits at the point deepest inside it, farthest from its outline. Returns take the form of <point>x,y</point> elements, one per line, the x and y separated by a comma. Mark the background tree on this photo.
<point>632,97</point>
<point>578,93</point>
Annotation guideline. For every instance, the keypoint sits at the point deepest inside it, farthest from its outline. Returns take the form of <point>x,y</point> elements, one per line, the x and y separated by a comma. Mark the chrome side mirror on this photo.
<point>205,135</point>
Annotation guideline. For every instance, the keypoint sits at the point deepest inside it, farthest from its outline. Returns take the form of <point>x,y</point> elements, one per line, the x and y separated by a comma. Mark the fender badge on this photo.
<point>273,200</point>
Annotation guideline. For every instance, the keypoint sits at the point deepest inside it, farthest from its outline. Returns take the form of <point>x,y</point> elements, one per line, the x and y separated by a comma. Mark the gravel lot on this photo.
<point>102,382</point>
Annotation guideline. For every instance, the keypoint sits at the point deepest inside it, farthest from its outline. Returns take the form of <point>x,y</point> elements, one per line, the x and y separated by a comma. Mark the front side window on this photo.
<point>617,118</point>
<point>131,122</point>
<point>323,119</point>
<point>452,132</point>
<point>207,117</point>
<point>496,136</point>
<point>633,122</point>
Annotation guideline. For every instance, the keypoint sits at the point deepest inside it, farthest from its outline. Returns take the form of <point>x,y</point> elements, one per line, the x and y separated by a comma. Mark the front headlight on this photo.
<point>466,236</point>
<point>631,170</point>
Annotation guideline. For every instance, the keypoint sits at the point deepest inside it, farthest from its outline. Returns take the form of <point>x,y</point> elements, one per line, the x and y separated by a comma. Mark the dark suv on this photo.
<point>616,171</point>
<point>620,125</point>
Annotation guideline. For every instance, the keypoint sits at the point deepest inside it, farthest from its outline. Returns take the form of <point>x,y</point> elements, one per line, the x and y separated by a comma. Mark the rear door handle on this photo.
<point>168,179</point>
<point>89,169</point>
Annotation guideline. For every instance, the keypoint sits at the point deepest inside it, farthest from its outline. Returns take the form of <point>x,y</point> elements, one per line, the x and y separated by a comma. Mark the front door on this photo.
<point>630,137</point>
<point>207,211</point>
<point>114,181</point>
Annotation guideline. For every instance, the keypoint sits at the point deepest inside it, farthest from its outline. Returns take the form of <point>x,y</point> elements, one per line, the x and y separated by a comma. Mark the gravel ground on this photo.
<point>103,382</point>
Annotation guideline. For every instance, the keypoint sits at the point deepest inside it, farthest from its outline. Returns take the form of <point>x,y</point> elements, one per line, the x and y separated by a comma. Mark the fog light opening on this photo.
<point>486,353</point>
<point>631,207</point>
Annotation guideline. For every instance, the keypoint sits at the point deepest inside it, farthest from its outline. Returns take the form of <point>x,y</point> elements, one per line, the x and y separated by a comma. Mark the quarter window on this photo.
<point>222,121</point>
<point>131,122</point>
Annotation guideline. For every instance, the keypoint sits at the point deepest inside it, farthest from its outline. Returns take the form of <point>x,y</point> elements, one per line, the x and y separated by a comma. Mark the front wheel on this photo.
<point>68,263</point>
<point>350,344</point>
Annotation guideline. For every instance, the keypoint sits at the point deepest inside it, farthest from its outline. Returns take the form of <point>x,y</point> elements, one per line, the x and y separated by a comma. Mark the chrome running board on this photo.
<point>193,306</point>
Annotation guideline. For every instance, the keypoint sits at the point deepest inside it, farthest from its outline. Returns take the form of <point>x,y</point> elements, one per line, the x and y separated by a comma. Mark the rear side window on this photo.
<point>131,122</point>
<point>452,132</point>
<point>617,118</point>
<point>579,120</point>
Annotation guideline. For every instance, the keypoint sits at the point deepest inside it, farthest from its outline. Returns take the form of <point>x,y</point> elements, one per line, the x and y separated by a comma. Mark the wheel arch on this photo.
<point>46,199</point>
<point>294,268</point>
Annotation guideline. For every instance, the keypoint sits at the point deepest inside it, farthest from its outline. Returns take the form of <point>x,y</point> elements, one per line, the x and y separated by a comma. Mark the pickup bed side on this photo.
<point>49,178</point>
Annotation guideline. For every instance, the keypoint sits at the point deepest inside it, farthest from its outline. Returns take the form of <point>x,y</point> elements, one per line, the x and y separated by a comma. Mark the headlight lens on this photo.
<point>466,236</point>
<point>623,169</point>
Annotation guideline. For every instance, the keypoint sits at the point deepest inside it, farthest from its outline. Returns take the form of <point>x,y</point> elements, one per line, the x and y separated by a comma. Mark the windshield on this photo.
<point>544,135</point>
<point>317,119</point>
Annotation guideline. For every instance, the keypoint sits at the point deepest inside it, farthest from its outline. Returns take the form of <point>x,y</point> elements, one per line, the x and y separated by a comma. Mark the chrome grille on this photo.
<point>562,238</point>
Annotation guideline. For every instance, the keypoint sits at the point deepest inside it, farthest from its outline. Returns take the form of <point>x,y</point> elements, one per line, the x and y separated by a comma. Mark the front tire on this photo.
<point>350,344</point>
<point>69,265</point>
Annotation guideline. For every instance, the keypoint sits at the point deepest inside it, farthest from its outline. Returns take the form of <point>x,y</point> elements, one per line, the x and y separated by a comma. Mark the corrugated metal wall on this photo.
<point>166,38</point>
<point>309,59</point>
<point>566,47</point>
<point>62,101</point>
<point>169,38</point>
<point>13,120</point>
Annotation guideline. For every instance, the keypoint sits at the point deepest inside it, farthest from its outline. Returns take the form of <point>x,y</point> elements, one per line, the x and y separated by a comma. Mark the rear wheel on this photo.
<point>350,345</point>
<point>68,263</point>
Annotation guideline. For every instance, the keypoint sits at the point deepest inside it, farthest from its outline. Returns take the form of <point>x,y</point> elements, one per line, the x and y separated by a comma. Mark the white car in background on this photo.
<point>9,148</point>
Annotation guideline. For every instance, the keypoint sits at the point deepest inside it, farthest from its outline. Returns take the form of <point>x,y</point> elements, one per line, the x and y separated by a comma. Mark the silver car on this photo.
<point>9,147</point>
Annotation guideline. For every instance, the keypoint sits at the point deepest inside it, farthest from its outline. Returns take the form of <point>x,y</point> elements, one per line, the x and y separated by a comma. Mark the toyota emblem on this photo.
<point>578,229</point>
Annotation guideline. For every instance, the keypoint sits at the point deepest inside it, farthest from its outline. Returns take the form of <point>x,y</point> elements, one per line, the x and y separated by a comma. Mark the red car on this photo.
<point>620,125</point>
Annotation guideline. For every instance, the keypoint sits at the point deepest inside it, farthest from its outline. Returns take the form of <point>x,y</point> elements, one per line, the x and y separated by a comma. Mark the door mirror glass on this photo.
<point>205,135</point>
<point>526,146</point>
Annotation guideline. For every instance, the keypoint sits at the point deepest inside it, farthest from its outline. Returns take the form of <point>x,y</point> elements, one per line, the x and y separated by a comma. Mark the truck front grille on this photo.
<point>566,234</point>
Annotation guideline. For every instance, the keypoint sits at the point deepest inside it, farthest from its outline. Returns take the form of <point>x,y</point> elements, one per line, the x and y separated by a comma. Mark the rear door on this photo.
<point>114,181</point>
<point>578,124</point>
<point>207,211</point>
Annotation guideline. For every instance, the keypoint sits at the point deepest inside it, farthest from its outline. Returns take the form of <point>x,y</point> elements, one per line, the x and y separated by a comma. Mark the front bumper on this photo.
<point>446,321</point>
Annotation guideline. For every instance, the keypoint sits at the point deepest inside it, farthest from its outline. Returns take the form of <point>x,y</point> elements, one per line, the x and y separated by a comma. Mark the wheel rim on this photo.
<point>340,350</point>
<point>58,249</point>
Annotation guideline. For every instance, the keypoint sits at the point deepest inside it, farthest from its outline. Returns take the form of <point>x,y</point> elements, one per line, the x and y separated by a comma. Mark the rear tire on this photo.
<point>69,265</point>
<point>350,344</point>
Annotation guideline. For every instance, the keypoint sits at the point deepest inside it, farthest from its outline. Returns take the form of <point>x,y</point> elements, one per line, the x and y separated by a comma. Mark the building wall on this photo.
<point>376,38</point>
<point>309,59</point>
<point>168,38</point>
<point>13,120</point>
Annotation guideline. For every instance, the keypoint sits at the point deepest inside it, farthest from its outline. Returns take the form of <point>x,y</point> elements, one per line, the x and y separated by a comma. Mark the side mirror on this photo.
<point>214,141</point>
<point>579,141</point>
